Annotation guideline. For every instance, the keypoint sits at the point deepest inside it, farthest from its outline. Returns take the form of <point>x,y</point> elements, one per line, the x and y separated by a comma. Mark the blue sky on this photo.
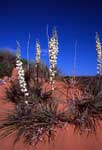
<point>74,20</point>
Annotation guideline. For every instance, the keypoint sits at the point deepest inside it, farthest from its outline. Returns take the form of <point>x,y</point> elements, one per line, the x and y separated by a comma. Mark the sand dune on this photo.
<point>65,140</point>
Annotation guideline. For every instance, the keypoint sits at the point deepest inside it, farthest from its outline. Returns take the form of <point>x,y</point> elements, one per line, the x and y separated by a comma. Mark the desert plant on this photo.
<point>35,124</point>
<point>36,93</point>
<point>37,113</point>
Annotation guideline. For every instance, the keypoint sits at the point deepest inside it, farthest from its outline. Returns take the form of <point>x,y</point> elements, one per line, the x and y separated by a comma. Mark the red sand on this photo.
<point>65,140</point>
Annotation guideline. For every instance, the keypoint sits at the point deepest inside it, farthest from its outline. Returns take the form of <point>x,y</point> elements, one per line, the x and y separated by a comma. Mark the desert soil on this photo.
<point>65,139</point>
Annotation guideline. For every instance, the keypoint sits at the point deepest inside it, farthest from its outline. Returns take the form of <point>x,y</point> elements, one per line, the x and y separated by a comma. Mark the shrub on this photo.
<point>7,63</point>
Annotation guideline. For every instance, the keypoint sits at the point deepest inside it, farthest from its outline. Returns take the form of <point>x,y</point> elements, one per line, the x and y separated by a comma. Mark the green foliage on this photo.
<point>7,63</point>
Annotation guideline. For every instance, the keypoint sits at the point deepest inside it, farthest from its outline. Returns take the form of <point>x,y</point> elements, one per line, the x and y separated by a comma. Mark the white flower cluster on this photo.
<point>38,52</point>
<point>20,70</point>
<point>99,54</point>
<point>53,52</point>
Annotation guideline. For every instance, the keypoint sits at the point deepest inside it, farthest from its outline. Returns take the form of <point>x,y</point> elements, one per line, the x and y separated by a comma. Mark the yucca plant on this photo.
<point>38,120</point>
<point>34,124</point>
<point>87,112</point>
<point>36,93</point>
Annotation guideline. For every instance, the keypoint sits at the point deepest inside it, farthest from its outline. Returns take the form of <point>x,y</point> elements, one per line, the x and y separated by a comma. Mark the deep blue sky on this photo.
<point>74,19</point>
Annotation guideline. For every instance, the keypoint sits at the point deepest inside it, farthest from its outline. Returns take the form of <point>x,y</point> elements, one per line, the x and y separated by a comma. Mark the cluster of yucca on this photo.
<point>53,52</point>
<point>37,123</point>
<point>39,117</point>
<point>38,120</point>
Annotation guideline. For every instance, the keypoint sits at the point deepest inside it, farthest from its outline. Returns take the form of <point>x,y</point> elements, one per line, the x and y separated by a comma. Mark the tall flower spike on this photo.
<point>99,54</point>
<point>53,52</point>
<point>38,52</point>
<point>20,70</point>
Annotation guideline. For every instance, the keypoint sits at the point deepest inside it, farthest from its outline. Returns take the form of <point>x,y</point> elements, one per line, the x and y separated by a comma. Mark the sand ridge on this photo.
<point>65,140</point>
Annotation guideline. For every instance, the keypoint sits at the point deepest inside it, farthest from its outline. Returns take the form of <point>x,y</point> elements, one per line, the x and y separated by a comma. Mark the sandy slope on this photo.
<point>65,140</point>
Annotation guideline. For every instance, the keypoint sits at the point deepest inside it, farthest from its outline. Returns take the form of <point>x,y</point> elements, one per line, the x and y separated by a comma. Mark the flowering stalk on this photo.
<point>37,59</point>
<point>53,52</point>
<point>38,52</point>
<point>20,70</point>
<point>99,54</point>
